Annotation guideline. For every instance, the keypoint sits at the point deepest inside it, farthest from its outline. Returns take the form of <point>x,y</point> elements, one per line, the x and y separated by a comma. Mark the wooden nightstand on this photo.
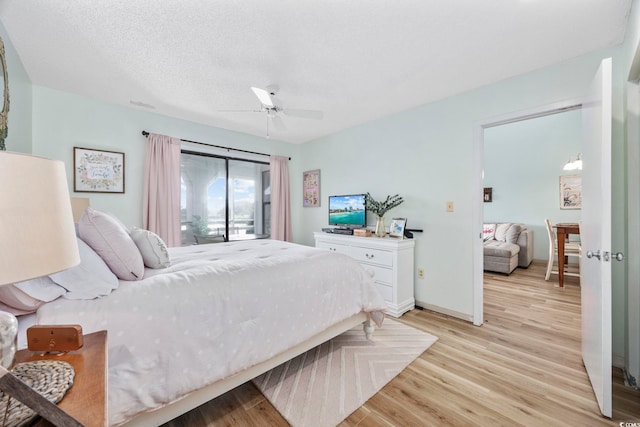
<point>86,400</point>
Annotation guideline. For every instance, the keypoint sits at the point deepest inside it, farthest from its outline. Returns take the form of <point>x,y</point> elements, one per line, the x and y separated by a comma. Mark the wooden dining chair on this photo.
<point>571,249</point>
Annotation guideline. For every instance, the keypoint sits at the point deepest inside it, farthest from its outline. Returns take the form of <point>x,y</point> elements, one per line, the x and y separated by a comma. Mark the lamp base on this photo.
<point>8,339</point>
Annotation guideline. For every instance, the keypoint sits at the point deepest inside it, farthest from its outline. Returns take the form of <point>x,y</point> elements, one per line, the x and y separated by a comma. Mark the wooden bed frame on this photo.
<point>198,397</point>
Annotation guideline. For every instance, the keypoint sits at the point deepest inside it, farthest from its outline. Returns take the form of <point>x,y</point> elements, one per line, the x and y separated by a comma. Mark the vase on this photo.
<point>380,230</point>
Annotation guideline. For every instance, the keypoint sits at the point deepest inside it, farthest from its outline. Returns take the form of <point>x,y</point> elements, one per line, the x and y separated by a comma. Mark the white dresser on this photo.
<point>390,259</point>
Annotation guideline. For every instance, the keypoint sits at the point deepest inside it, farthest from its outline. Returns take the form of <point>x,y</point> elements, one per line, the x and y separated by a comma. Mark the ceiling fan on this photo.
<point>268,105</point>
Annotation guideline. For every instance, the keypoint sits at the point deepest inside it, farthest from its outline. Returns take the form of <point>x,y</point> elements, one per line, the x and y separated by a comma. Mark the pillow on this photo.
<point>513,233</point>
<point>88,280</point>
<point>501,231</point>
<point>153,249</point>
<point>42,288</point>
<point>17,302</point>
<point>488,231</point>
<point>112,242</point>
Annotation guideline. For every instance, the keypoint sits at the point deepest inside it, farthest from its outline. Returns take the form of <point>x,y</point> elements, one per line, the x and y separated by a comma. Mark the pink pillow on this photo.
<point>112,242</point>
<point>17,302</point>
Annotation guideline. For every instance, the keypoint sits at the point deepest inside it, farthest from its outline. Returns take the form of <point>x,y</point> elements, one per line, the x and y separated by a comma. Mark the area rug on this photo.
<point>326,384</point>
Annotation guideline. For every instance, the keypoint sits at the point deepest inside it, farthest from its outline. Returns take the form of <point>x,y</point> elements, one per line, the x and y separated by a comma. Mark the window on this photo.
<point>223,199</point>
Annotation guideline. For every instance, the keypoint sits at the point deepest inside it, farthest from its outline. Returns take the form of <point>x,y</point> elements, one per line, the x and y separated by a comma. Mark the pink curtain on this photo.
<point>280,199</point>
<point>161,203</point>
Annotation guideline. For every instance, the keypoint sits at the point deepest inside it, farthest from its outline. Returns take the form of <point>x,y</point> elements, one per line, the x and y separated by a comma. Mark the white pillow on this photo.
<point>153,249</point>
<point>488,232</point>
<point>112,242</point>
<point>88,280</point>
<point>42,288</point>
<point>501,231</point>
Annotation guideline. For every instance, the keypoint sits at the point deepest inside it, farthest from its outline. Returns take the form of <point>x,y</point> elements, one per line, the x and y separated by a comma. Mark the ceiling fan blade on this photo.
<point>277,122</point>
<point>305,114</point>
<point>239,111</point>
<point>263,96</point>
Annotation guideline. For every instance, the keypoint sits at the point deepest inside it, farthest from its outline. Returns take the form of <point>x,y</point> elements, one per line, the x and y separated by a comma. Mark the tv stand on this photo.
<point>390,259</point>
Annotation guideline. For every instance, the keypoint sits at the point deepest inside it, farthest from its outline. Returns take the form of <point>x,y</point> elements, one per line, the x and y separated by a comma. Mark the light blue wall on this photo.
<point>62,121</point>
<point>19,120</point>
<point>426,155</point>
<point>522,163</point>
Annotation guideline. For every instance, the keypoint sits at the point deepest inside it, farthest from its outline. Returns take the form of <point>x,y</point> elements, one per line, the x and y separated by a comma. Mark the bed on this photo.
<point>218,316</point>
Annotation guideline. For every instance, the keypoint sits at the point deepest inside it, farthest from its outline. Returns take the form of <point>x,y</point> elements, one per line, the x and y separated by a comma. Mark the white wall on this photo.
<point>62,121</point>
<point>522,163</point>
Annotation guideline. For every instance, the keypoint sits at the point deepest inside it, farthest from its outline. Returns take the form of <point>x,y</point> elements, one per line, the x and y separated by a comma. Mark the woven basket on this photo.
<point>50,378</point>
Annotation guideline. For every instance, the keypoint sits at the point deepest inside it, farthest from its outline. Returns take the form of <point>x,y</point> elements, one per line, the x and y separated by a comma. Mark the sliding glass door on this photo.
<point>222,199</point>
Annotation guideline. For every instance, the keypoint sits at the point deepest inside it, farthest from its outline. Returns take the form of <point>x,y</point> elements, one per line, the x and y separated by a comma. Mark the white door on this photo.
<point>595,235</point>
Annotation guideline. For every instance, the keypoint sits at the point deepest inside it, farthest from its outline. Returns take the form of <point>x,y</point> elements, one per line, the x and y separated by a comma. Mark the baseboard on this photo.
<point>618,361</point>
<point>441,310</point>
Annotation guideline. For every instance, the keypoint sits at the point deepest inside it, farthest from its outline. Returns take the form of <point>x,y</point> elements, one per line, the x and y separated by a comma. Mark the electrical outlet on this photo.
<point>449,206</point>
<point>421,273</point>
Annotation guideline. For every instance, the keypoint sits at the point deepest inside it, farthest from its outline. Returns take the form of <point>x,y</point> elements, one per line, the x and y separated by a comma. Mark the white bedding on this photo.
<point>218,309</point>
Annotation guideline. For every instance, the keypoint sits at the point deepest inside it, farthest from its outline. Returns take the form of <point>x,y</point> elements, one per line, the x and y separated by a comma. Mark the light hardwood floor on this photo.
<point>522,367</point>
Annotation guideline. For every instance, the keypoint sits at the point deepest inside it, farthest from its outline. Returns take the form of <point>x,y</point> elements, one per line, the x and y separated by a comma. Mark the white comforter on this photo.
<point>218,309</point>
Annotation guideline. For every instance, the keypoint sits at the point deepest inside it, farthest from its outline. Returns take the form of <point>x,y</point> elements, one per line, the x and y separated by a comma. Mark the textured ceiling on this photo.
<point>355,60</point>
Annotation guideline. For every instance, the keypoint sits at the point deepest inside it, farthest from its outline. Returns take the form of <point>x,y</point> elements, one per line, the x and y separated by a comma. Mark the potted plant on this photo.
<point>199,226</point>
<point>379,208</point>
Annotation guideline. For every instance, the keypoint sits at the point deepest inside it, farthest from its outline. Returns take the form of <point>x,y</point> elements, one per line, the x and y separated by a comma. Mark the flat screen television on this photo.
<point>347,211</point>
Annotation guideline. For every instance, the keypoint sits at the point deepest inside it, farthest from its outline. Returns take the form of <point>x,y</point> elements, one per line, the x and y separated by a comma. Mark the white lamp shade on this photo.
<point>78,206</point>
<point>37,234</point>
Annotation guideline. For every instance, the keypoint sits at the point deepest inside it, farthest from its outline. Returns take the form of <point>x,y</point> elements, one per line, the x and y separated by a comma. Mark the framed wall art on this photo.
<point>488,194</point>
<point>97,171</point>
<point>311,189</point>
<point>571,192</point>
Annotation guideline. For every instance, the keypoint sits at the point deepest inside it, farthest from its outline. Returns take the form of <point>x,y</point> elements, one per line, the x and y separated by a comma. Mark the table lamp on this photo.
<point>37,238</point>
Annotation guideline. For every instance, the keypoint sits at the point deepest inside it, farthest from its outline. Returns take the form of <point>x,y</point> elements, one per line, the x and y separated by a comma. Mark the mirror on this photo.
<point>4,98</point>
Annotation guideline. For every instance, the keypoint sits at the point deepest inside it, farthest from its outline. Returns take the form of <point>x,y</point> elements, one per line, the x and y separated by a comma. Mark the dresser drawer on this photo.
<point>335,247</point>
<point>372,256</point>
<point>386,291</point>
<point>381,274</point>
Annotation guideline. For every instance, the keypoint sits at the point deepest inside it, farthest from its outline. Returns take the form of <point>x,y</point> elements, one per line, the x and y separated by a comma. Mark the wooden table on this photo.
<point>86,400</point>
<point>562,231</point>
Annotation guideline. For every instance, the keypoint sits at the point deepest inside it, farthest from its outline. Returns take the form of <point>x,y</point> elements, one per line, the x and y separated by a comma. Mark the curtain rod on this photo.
<point>145,133</point>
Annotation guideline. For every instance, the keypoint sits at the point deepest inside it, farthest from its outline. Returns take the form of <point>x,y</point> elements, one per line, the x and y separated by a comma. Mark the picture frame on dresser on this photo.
<point>396,228</point>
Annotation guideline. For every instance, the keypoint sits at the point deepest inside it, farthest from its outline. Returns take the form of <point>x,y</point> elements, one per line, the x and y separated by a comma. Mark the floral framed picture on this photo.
<point>396,229</point>
<point>311,189</point>
<point>571,192</point>
<point>97,171</point>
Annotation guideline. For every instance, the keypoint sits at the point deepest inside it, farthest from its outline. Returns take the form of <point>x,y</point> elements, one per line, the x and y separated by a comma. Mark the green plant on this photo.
<point>199,225</point>
<point>381,208</point>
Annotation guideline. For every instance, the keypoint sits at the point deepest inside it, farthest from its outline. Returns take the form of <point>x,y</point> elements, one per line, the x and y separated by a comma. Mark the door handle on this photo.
<point>591,254</point>
<point>619,256</point>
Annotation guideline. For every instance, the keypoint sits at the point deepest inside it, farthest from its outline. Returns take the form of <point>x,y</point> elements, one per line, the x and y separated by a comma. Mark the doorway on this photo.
<point>478,217</point>
<point>523,166</point>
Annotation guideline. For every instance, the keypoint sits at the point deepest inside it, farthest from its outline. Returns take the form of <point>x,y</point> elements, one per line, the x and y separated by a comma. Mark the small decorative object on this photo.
<point>381,208</point>
<point>488,194</point>
<point>311,189</point>
<point>362,232</point>
<point>98,171</point>
<point>396,229</point>
<point>571,192</point>
<point>4,97</point>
